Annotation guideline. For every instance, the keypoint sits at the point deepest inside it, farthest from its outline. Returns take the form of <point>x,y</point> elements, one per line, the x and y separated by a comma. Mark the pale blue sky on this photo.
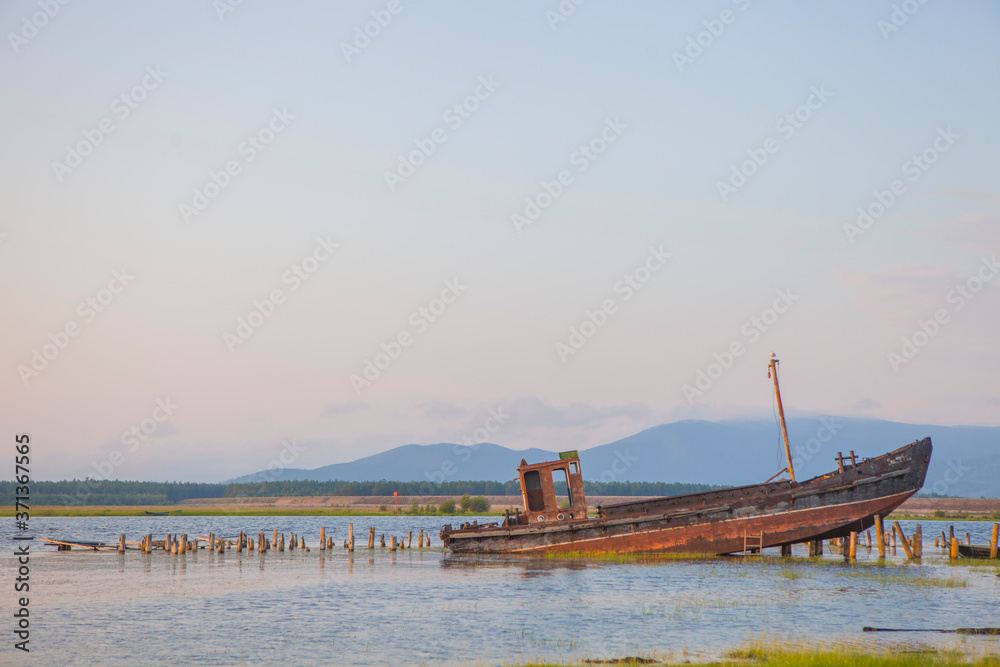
<point>495,346</point>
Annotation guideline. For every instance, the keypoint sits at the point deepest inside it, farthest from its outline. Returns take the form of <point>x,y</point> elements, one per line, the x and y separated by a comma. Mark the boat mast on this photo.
<point>772,372</point>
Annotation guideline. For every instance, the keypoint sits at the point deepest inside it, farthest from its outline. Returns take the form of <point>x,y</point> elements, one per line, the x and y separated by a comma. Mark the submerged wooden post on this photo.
<point>880,534</point>
<point>371,537</point>
<point>853,549</point>
<point>392,543</point>
<point>918,542</point>
<point>996,538</point>
<point>121,543</point>
<point>420,540</point>
<point>951,533</point>
<point>428,541</point>
<point>382,539</point>
<point>184,544</point>
<point>968,538</point>
<point>409,541</point>
<point>211,541</point>
<point>274,537</point>
<point>350,537</point>
<point>329,543</point>
<point>954,547</point>
<point>322,539</point>
<point>281,542</point>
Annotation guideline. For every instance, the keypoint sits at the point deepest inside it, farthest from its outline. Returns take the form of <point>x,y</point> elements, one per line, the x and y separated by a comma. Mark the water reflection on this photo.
<point>427,606</point>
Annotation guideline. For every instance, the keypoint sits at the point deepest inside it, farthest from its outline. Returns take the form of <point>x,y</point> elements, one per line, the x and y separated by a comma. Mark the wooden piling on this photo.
<point>918,541</point>
<point>392,543</point>
<point>951,533</point>
<point>815,548</point>
<point>409,541</point>
<point>853,548</point>
<point>121,543</point>
<point>428,541</point>
<point>382,539</point>
<point>954,547</point>
<point>322,539</point>
<point>968,538</point>
<point>182,549</point>
<point>902,539</point>
<point>880,534</point>
<point>274,537</point>
<point>996,539</point>
<point>420,540</point>
<point>281,542</point>
<point>350,537</point>
<point>329,543</point>
<point>211,541</point>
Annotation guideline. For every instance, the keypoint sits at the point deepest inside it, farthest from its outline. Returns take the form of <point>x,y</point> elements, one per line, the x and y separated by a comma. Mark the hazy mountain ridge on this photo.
<point>966,459</point>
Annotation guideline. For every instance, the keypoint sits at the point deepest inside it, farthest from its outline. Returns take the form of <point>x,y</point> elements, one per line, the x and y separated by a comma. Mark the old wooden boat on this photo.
<point>722,521</point>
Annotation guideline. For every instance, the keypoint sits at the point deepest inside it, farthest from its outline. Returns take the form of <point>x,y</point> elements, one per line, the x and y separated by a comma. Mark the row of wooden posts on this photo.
<point>913,546</point>
<point>180,544</point>
<point>883,540</point>
<point>950,542</point>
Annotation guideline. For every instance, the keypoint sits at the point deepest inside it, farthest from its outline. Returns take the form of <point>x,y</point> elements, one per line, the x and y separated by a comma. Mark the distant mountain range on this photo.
<point>966,459</point>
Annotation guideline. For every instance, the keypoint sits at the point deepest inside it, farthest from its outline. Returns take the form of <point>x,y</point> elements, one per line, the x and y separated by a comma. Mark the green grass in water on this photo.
<point>768,657</point>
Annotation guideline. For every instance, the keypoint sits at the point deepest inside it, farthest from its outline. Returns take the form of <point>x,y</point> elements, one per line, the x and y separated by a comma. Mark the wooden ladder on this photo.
<point>753,542</point>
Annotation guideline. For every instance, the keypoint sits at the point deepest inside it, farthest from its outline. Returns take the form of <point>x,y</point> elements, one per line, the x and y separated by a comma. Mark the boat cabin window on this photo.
<point>564,498</point>
<point>573,468</point>
<point>533,489</point>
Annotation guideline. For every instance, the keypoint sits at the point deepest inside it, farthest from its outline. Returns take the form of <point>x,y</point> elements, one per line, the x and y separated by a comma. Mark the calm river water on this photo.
<point>429,607</point>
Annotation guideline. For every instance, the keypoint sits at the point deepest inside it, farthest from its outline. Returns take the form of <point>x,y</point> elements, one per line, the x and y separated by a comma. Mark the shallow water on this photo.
<point>429,607</point>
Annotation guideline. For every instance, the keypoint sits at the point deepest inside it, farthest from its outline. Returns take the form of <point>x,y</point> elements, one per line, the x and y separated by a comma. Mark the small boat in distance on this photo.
<point>148,513</point>
<point>723,521</point>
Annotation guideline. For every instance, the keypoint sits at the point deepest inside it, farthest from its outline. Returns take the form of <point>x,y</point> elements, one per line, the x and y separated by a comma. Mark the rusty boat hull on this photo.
<point>719,521</point>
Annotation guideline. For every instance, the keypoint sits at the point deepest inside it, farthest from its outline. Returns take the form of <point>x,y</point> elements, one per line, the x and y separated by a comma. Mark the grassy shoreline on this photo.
<point>220,510</point>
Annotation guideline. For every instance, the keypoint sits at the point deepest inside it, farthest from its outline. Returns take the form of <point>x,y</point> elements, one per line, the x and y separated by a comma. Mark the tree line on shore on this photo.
<point>115,492</point>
